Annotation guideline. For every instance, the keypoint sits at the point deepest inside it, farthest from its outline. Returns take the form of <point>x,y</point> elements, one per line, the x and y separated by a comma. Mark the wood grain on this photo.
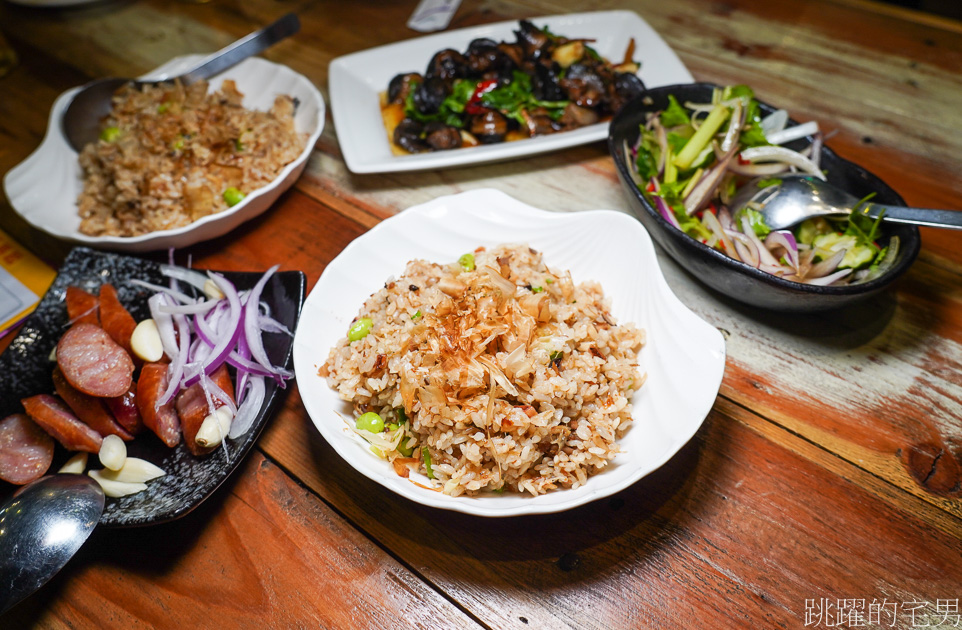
<point>743,524</point>
<point>263,553</point>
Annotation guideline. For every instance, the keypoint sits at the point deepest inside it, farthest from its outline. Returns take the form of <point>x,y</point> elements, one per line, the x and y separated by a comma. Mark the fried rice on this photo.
<point>168,153</point>
<point>492,373</point>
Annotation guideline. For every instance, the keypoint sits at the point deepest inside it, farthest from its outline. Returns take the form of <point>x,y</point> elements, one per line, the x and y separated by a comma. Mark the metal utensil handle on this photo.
<point>244,48</point>
<point>951,219</point>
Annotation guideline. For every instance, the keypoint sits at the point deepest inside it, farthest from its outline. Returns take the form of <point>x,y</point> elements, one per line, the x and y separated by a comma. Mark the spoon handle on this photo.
<point>244,48</point>
<point>951,219</point>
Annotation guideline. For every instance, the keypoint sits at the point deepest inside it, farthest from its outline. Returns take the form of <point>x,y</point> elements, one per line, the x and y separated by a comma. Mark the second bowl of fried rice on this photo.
<point>48,189</point>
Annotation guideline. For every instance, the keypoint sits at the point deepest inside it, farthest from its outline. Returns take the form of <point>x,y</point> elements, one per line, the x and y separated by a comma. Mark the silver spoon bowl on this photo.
<point>799,197</point>
<point>83,115</point>
<point>42,526</point>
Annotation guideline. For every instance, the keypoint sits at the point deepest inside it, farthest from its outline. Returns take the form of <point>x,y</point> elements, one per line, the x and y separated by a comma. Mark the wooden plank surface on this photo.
<point>263,553</point>
<point>829,468</point>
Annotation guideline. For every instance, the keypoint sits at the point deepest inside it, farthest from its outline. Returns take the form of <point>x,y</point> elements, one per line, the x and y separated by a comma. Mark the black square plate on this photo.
<point>26,369</point>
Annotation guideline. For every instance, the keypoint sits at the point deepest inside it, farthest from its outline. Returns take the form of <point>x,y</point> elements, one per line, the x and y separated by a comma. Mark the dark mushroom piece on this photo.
<point>400,86</point>
<point>575,116</point>
<point>584,86</point>
<point>489,127</point>
<point>538,122</point>
<point>532,40</point>
<point>441,137</point>
<point>482,55</point>
<point>429,95</point>
<point>513,51</point>
<point>447,65</point>
<point>545,83</point>
<point>624,88</point>
<point>407,135</point>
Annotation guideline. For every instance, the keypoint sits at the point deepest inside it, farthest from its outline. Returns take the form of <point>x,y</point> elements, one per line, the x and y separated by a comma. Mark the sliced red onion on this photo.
<point>226,337</point>
<point>243,352</point>
<point>190,276</point>
<point>631,154</point>
<point>725,218</point>
<point>175,371</point>
<point>213,392</point>
<point>666,211</point>
<point>190,309</point>
<point>781,154</point>
<point>785,240</point>
<point>764,255</point>
<point>250,408</point>
<point>224,330</point>
<point>827,266</point>
<point>247,365</point>
<point>774,122</point>
<point>757,170</point>
<point>164,322</point>
<point>712,223</point>
<point>251,331</point>
<point>745,248</point>
<point>177,295</point>
<point>832,278</point>
<point>792,133</point>
<point>701,194</point>
<point>271,325</point>
<point>815,150</point>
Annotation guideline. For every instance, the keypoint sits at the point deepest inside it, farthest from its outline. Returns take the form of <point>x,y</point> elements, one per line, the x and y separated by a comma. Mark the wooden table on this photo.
<point>823,489</point>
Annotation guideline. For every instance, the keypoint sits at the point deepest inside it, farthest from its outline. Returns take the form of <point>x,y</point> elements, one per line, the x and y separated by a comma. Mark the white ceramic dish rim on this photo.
<point>54,150</point>
<point>383,251</point>
<point>357,79</point>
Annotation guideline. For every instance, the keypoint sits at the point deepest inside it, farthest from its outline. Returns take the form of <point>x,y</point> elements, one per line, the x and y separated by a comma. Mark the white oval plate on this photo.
<point>44,188</point>
<point>684,356</point>
<point>356,80</point>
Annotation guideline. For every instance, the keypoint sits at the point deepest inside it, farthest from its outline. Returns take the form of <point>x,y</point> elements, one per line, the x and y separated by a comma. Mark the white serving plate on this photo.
<point>356,80</point>
<point>684,356</point>
<point>44,188</point>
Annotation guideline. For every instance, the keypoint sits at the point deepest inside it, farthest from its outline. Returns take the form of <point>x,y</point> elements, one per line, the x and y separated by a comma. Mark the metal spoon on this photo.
<point>42,526</point>
<point>81,118</point>
<point>800,197</point>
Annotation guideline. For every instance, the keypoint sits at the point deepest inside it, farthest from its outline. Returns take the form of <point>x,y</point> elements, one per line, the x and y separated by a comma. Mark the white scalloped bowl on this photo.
<point>684,356</point>
<point>44,188</point>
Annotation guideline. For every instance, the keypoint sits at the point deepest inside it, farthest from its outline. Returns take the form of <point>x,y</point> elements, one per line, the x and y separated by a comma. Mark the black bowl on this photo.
<point>733,278</point>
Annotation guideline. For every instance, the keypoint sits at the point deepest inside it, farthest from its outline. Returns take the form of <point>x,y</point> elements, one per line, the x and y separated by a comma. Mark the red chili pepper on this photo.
<point>472,106</point>
<point>651,186</point>
<point>742,160</point>
<point>712,208</point>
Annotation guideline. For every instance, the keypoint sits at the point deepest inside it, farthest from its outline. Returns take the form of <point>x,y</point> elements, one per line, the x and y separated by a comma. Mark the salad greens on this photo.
<point>692,158</point>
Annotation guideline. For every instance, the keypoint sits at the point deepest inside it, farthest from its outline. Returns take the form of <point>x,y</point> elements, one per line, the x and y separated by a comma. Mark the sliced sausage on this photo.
<point>55,418</point>
<point>114,318</point>
<point>82,306</point>
<point>161,420</point>
<point>192,408</point>
<point>26,450</point>
<point>93,362</point>
<point>124,409</point>
<point>91,410</point>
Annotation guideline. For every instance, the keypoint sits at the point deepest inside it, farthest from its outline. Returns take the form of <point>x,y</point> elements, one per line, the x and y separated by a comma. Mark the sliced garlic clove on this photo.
<point>213,291</point>
<point>113,452</point>
<point>135,470</point>
<point>145,341</point>
<point>116,488</point>
<point>76,465</point>
<point>214,428</point>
